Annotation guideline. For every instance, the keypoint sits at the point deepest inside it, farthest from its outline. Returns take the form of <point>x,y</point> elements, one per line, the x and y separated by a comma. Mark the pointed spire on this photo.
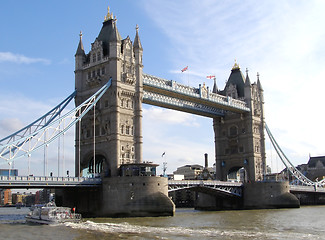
<point>80,49</point>
<point>215,88</point>
<point>236,66</point>
<point>115,35</point>
<point>258,82</point>
<point>108,16</point>
<point>247,81</point>
<point>137,43</point>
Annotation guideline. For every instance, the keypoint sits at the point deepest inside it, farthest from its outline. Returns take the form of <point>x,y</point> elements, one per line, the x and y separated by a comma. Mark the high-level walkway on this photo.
<point>200,101</point>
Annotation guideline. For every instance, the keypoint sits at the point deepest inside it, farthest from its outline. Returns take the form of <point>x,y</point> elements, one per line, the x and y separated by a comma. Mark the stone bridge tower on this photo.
<point>239,138</point>
<point>116,123</point>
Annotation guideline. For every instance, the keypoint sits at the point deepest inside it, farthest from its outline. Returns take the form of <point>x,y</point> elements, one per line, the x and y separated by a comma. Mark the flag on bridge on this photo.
<point>211,76</point>
<point>184,69</point>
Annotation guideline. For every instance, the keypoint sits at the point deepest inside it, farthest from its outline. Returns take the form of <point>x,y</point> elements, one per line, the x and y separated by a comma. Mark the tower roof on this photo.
<point>80,49</point>
<point>236,78</point>
<point>259,82</point>
<point>247,82</point>
<point>109,32</point>
<point>137,42</point>
<point>215,88</point>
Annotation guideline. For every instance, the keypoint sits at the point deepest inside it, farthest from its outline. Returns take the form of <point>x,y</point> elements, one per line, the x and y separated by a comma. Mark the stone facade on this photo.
<point>239,138</point>
<point>116,120</point>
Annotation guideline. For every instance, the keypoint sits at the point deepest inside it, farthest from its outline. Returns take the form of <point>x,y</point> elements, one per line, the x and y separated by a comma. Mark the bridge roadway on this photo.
<point>227,188</point>
<point>47,182</point>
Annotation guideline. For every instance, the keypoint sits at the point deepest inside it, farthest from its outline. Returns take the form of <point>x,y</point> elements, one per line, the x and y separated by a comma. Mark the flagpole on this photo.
<point>183,70</point>
<point>188,80</point>
<point>211,77</point>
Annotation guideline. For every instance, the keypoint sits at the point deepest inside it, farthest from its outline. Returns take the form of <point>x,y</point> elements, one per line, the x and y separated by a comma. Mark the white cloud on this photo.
<point>21,59</point>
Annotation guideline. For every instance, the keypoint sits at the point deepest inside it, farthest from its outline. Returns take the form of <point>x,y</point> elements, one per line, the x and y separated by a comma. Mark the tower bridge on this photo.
<point>110,90</point>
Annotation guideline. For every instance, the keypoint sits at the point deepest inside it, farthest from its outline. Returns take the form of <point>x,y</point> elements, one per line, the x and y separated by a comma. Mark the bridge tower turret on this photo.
<point>80,58</point>
<point>115,124</point>
<point>239,138</point>
<point>138,53</point>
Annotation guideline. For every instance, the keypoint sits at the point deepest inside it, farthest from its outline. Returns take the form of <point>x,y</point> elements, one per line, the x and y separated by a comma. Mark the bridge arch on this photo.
<point>238,174</point>
<point>102,167</point>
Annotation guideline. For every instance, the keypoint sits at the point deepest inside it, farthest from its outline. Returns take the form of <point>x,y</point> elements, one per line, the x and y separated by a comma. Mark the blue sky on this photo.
<point>282,40</point>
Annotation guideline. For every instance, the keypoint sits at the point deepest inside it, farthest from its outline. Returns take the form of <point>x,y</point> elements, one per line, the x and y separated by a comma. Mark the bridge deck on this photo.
<point>47,182</point>
<point>298,188</point>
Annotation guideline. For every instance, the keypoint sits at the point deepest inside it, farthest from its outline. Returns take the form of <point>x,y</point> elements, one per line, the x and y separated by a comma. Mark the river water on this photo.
<point>301,223</point>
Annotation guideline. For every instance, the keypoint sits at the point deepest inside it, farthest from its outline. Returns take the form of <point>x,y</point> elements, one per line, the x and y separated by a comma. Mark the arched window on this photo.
<point>233,131</point>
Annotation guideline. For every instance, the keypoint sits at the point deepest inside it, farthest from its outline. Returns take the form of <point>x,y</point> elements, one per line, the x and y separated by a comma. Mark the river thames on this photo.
<point>298,223</point>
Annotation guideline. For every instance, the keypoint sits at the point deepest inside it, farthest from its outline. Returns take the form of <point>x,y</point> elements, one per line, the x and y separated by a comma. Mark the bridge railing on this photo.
<point>50,179</point>
<point>300,188</point>
<point>204,182</point>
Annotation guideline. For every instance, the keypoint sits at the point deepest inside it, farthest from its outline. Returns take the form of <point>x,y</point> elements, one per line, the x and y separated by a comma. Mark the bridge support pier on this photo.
<point>263,195</point>
<point>207,202</point>
<point>136,196</point>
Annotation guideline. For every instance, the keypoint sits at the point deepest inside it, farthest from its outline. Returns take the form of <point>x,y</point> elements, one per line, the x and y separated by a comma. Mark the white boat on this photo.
<point>51,214</point>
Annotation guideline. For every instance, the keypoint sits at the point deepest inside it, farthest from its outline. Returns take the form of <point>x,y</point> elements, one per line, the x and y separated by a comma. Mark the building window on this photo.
<point>103,70</point>
<point>98,72</point>
<point>241,149</point>
<point>99,56</point>
<point>103,131</point>
<point>233,131</point>
<point>89,75</point>
<point>94,74</point>
<point>122,129</point>
<point>127,130</point>
<point>234,150</point>
<point>94,57</point>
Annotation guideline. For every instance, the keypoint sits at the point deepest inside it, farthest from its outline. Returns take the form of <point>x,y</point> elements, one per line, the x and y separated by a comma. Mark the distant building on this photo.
<point>5,172</point>
<point>5,196</point>
<point>19,198</point>
<point>314,169</point>
<point>190,172</point>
